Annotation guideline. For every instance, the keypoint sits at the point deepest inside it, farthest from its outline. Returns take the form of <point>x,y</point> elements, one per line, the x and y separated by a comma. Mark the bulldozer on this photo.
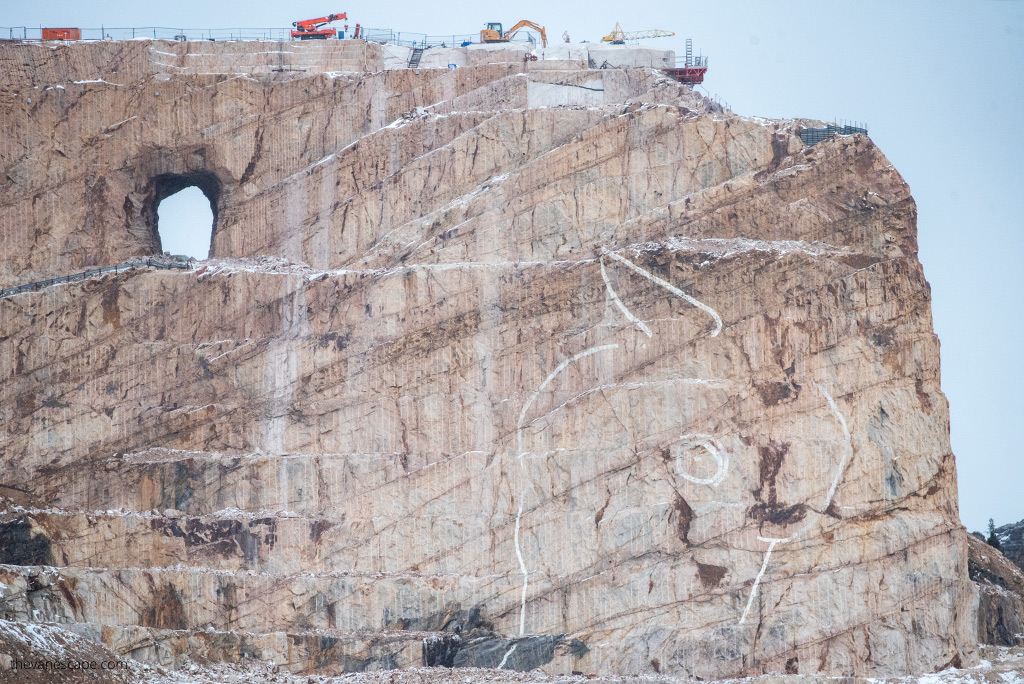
<point>493,33</point>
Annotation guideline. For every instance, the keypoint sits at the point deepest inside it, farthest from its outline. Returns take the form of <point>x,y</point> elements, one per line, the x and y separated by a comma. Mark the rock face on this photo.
<point>1001,591</point>
<point>38,654</point>
<point>509,365</point>
<point>1011,539</point>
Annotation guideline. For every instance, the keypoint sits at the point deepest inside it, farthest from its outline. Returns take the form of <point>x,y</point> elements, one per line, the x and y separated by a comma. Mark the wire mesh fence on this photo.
<point>813,136</point>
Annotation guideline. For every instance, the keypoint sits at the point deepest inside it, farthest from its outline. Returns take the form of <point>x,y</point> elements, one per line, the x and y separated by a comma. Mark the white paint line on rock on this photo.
<point>772,541</point>
<point>671,288</point>
<point>507,654</point>
<point>846,452</point>
<point>562,366</point>
<point>618,302</point>
<point>753,590</point>
<point>522,568</point>
<point>519,444</point>
<point>711,446</point>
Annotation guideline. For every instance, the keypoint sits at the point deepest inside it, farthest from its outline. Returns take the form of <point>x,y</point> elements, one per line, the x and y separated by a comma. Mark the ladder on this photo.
<point>414,58</point>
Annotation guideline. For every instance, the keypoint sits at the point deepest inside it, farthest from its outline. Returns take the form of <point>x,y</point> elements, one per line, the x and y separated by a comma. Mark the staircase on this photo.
<point>414,58</point>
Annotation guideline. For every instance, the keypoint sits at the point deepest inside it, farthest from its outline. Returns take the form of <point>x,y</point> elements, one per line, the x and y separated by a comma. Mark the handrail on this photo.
<point>127,266</point>
<point>274,33</point>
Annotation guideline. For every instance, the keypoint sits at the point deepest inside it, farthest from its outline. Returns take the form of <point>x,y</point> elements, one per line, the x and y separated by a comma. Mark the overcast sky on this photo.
<point>939,83</point>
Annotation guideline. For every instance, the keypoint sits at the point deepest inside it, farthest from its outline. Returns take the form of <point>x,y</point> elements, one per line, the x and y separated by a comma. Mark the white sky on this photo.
<point>939,83</point>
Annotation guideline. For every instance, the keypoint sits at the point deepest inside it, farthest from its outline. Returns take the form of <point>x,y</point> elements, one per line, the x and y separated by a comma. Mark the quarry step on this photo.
<point>675,367</point>
<point>320,651</point>
<point>119,268</point>
<point>203,483</point>
<point>197,599</point>
<point>229,541</point>
<point>330,652</point>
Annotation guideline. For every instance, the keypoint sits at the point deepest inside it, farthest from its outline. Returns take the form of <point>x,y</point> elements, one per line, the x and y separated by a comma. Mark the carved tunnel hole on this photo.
<point>185,213</point>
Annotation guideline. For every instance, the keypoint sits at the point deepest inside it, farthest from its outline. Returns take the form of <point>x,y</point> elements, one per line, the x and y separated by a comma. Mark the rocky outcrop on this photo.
<point>39,654</point>
<point>493,366</point>
<point>1011,541</point>
<point>1001,588</point>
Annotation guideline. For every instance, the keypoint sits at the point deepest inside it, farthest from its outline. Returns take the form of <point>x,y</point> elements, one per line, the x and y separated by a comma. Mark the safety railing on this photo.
<point>120,268</point>
<point>410,39</point>
<point>155,33</point>
<point>419,40</point>
<point>694,61</point>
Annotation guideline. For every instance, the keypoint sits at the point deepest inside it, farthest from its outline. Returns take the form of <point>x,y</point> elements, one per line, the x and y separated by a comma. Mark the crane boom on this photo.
<point>310,28</point>
<point>619,36</point>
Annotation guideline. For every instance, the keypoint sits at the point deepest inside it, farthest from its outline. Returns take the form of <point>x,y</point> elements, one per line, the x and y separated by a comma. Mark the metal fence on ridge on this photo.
<point>813,136</point>
<point>410,39</point>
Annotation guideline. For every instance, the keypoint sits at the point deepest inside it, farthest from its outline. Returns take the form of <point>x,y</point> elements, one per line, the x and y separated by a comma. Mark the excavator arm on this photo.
<point>528,24</point>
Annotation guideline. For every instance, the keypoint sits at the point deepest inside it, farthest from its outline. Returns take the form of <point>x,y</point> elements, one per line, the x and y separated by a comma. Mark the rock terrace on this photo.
<point>517,364</point>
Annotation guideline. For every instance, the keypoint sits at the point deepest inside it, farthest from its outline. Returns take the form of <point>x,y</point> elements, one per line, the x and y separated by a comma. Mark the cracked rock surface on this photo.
<point>505,366</point>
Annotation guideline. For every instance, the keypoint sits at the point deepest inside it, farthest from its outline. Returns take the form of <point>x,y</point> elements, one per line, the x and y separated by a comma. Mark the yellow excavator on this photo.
<point>493,34</point>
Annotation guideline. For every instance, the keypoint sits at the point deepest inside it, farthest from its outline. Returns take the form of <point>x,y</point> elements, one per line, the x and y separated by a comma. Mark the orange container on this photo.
<point>62,34</point>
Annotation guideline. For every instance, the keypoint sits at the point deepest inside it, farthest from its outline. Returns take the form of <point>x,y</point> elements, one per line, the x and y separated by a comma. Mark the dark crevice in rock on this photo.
<point>21,545</point>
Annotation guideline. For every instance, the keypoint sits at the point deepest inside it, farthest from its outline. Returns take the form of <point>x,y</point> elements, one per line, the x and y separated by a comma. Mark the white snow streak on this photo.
<point>97,80</point>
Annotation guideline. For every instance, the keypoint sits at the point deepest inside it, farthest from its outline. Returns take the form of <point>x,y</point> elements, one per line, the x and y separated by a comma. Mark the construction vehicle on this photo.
<point>619,37</point>
<point>310,28</point>
<point>62,34</point>
<point>493,34</point>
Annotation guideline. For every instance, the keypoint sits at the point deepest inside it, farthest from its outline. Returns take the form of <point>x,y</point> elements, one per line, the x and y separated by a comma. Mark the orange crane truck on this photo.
<point>309,29</point>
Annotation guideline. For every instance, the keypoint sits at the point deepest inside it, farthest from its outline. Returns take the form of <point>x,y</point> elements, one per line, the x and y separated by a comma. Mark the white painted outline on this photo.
<point>522,568</point>
<point>671,288</point>
<point>522,494</point>
<point>710,445</point>
<point>618,302</point>
<point>757,581</point>
<point>561,367</point>
<point>847,452</point>
<point>507,654</point>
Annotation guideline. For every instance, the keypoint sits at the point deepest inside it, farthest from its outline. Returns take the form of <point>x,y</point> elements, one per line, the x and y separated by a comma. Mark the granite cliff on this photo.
<point>517,364</point>
<point>1011,540</point>
<point>1000,582</point>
